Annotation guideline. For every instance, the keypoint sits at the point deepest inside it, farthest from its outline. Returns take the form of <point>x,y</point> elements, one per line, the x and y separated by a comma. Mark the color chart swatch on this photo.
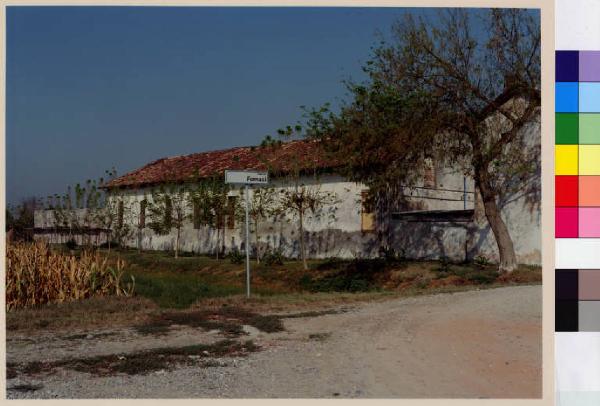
<point>577,242</point>
<point>577,300</point>
<point>577,144</point>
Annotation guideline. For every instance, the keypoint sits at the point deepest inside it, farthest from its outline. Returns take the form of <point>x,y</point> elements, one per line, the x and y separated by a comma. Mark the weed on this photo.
<point>27,387</point>
<point>71,244</point>
<point>75,337</point>
<point>236,257</point>
<point>422,283</point>
<point>444,265</point>
<point>156,327</point>
<point>83,336</point>
<point>319,336</point>
<point>178,290</point>
<point>142,362</point>
<point>274,257</point>
<point>228,320</point>
<point>390,255</point>
<point>11,371</point>
<point>314,313</point>
<point>481,261</point>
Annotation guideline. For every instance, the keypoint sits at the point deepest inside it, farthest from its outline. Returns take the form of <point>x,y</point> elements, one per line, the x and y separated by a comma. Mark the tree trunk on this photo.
<point>302,251</point>
<point>139,242</point>
<point>177,244</point>
<point>506,250</point>
<point>218,241</point>
<point>257,242</point>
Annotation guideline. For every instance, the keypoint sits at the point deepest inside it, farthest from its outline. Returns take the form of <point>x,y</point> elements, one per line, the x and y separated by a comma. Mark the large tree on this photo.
<point>168,209</point>
<point>448,89</point>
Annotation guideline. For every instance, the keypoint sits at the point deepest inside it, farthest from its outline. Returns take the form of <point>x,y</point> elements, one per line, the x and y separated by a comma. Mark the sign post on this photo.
<point>247,178</point>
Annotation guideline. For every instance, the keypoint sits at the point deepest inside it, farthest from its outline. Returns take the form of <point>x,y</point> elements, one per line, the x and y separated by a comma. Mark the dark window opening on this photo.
<point>196,215</point>
<point>143,204</point>
<point>120,210</point>
<point>168,212</point>
<point>231,202</point>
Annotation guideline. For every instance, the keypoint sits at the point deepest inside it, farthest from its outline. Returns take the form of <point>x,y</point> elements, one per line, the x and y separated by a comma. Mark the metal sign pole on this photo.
<point>247,178</point>
<point>247,246</point>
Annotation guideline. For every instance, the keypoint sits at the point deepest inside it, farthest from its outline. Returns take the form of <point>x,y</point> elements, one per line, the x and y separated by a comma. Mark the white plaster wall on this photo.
<point>325,237</point>
<point>343,236</point>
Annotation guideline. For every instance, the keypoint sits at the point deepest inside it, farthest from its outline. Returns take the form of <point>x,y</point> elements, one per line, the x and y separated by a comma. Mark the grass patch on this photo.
<point>11,370</point>
<point>142,362</point>
<point>314,313</point>
<point>178,290</point>
<point>319,336</point>
<point>228,320</point>
<point>89,313</point>
<point>201,282</point>
<point>85,336</point>
<point>154,327</point>
<point>25,387</point>
<point>476,274</point>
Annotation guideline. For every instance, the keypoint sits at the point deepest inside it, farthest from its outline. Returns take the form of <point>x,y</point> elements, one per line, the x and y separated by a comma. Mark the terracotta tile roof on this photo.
<point>301,154</point>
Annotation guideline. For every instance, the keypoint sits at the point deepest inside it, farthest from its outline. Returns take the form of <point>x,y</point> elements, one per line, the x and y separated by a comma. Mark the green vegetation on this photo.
<point>141,362</point>
<point>436,93</point>
<point>178,290</point>
<point>179,283</point>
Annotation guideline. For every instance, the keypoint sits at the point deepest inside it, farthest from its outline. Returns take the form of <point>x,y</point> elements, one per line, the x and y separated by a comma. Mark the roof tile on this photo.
<point>300,154</point>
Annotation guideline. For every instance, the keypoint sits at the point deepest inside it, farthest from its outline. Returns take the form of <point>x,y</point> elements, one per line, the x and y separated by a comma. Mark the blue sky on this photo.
<point>89,88</point>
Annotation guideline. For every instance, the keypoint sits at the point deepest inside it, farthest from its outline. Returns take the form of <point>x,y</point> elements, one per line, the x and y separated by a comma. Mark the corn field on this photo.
<point>37,275</point>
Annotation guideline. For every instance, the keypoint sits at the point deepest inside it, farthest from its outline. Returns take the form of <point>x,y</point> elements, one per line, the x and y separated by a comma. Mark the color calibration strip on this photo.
<point>577,300</point>
<point>577,144</point>
<point>577,251</point>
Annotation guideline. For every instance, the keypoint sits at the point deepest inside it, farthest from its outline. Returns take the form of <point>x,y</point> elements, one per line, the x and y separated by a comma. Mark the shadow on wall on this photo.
<point>431,240</point>
<point>319,244</point>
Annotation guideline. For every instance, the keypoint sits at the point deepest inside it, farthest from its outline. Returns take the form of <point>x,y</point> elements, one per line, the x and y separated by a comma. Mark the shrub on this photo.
<point>71,244</point>
<point>391,255</point>
<point>274,257</point>
<point>480,260</point>
<point>444,265</point>
<point>236,257</point>
<point>476,275</point>
<point>36,275</point>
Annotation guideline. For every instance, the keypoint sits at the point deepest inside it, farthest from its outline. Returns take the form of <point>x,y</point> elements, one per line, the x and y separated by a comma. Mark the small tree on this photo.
<point>264,204</point>
<point>208,199</point>
<point>303,200</point>
<point>300,200</point>
<point>116,217</point>
<point>168,209</point>
<point>20,218</point>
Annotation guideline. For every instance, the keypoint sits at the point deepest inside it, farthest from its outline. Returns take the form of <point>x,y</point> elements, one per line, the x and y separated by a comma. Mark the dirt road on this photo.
<point>477,344</point>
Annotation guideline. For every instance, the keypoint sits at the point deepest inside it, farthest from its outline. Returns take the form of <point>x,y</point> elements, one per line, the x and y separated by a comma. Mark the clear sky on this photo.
<point>89,88</point>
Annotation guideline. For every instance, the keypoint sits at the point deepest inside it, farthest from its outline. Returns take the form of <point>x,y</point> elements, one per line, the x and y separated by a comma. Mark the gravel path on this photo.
<point>477,344</point>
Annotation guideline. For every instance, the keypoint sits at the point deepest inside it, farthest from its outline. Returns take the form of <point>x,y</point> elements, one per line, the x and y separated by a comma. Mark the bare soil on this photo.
<point>475,344</point>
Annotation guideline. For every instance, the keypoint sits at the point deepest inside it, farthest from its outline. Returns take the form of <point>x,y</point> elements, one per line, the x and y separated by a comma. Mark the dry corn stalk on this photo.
<point>36,275</point>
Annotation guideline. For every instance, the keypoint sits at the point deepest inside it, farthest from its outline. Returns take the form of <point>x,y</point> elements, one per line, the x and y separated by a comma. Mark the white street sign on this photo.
<point>247,177</point>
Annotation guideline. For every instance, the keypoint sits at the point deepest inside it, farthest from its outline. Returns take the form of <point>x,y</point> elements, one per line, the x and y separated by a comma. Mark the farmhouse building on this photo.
<point>442,216</point>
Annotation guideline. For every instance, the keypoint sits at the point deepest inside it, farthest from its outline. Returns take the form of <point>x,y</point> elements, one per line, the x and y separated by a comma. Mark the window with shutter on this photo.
<point>367,215</point>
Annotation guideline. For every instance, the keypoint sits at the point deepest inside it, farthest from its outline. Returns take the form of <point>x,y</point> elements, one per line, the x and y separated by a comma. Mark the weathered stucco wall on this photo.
<point>459,241</point>
<point>342,236</point>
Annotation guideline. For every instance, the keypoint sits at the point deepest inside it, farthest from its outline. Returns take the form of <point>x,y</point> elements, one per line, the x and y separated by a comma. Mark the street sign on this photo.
<point>247,177</point>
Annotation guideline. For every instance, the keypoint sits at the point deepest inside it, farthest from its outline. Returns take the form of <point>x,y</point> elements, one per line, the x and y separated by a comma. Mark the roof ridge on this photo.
<point>202,164</point>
